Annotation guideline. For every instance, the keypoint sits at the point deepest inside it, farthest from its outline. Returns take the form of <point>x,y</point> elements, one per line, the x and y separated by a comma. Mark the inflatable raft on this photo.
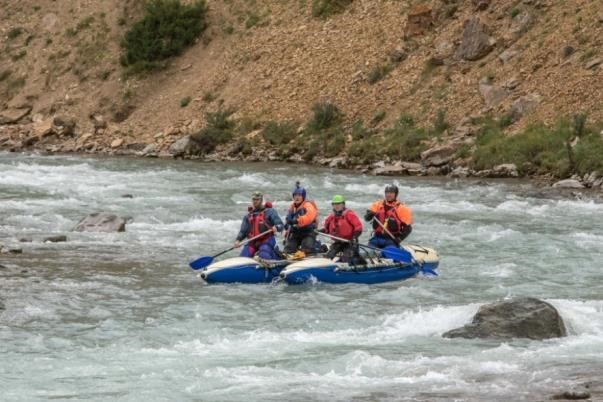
<point>376,270</point>
<point>421,260</point>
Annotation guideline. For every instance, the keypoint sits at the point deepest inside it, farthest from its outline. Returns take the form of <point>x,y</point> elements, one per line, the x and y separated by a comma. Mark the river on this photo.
<point>122,316</point>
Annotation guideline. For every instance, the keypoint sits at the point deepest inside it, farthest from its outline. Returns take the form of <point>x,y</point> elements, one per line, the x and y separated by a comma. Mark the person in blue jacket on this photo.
<point>261,218</point>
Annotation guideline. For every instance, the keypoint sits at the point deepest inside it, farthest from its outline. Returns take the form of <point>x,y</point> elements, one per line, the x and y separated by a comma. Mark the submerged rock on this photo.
<point>571,395</point>
<point>101,222</point>
<point>524,317</point>
<point>55,239</point>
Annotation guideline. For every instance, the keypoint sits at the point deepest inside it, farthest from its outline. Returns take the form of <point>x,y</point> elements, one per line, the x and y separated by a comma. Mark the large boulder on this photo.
<point>101,222</point>
<point>438,155</point>
<point>476,41</point>
<point>524,317</point>
<point>185,146</point>
<point>13,115</point>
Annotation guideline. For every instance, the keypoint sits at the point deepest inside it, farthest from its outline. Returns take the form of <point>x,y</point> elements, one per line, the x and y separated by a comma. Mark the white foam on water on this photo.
<point>195,224</point>
<point>581,317</point>
<point>504,270</point>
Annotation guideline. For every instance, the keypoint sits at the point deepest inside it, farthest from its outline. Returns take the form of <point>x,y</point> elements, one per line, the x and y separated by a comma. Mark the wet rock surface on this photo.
<point>101,222</point>
<point>524,317</point>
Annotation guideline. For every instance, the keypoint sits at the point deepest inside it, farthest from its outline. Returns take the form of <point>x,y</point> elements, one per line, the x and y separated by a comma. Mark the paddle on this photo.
<point>203,262</point>
<point>386,230</point>
<point>391,252</point>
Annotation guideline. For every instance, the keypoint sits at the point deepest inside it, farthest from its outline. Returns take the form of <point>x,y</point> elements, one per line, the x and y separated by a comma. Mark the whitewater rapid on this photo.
<point>122,316</point>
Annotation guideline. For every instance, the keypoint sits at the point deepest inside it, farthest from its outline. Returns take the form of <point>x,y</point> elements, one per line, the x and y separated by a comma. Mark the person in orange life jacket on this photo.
<point>344,223</point>
<point>261,217</point>
<point>301,223</point>
<point>395,216</point>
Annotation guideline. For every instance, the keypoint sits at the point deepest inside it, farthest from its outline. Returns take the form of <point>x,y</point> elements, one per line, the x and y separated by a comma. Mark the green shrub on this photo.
<point>325,8</point>
<point>378,117</point>
<point>537,150</point>
<point>378,73</point>
<point>364,151</point>
<point>14,32</point>
<point>167,28</point>
<point>404,141</point>
<point>440,124</point>
<point>325,115</point>
<point>185,101</point>
<point>5,74</point>
<point>219,130</point>
<point>252,20</point>
<point>279,133</point>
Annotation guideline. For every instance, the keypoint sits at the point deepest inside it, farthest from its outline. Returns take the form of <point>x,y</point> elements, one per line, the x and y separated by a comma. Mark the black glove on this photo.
<point>354,242</point>
<point>369,216</point>
<point>291,221</point>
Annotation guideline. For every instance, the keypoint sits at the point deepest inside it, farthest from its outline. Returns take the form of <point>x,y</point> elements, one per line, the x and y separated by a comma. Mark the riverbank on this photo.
<point>566,156</point>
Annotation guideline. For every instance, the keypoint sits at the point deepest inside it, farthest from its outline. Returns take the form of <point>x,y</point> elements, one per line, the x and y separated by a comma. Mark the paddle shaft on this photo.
<point>386,230</point>
<point>388,253</point>
<point>242,244</point>
<point>346,240</point>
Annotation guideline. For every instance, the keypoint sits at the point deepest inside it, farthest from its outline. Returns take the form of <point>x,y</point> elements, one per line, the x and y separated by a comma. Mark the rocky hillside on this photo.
<point>444,63</point>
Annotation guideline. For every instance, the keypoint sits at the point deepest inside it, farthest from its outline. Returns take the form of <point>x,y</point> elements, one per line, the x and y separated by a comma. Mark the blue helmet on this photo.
<point>301,191</point>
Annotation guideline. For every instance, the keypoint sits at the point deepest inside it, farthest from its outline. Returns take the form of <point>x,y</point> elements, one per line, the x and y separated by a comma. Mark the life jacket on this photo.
<point>258,224</point>
<point>300,211</point>
<point>340,225</point>
<point>387,215</point>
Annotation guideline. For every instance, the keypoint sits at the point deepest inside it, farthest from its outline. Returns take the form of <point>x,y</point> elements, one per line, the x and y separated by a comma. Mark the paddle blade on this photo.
<point>202,262</point>
<point>397,254</point>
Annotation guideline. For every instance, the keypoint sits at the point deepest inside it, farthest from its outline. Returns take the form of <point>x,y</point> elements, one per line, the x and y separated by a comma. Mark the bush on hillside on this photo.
<point>279,133</point>
<point>167,28</point>
<point>325,8</point>
<point>404,140</point>
<point>324,116</point>
<point>537,150</point>
<point>219,130</point>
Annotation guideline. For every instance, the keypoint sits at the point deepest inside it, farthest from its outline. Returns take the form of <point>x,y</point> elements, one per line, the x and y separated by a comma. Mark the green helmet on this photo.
<point>338,199</point>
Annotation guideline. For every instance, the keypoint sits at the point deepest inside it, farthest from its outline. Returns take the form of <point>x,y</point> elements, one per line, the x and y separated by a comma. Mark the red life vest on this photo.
<point>390,219</point>
<point>258,224</point>
<point>339,225</point>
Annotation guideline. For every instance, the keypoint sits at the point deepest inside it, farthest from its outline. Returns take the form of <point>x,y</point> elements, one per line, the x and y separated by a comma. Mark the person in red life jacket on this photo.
<point>301,224</point>
<point>261,218</point>
<point>343,223</point>
<point>391,219</point>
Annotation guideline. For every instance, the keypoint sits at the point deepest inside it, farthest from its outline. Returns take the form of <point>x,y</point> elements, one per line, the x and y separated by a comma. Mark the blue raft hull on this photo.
<point>326,271</point>
<point>421,260</point>
<point>241,270</point>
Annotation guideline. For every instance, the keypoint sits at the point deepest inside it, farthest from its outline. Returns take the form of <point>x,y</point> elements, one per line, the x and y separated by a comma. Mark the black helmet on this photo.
<point>391,188</point>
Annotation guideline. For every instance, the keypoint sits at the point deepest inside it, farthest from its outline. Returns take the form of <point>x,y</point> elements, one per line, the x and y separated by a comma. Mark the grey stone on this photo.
<point>475,42</point>
<point>13,115</point>
<point>185,146</point>
<point>507,55</point>
<point>568,183</point>
<point>438,155</point>
<point>338,162</point>
<point>593,63</point>
<point>505,170</point>
<point>390,170</point>
<point>149,150</point>
<point>521,23</point>
<point>55,239</point>
<point>493,95</point>
<point>523,317</point>
<point>524,105</point>
<point>101,222</point>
